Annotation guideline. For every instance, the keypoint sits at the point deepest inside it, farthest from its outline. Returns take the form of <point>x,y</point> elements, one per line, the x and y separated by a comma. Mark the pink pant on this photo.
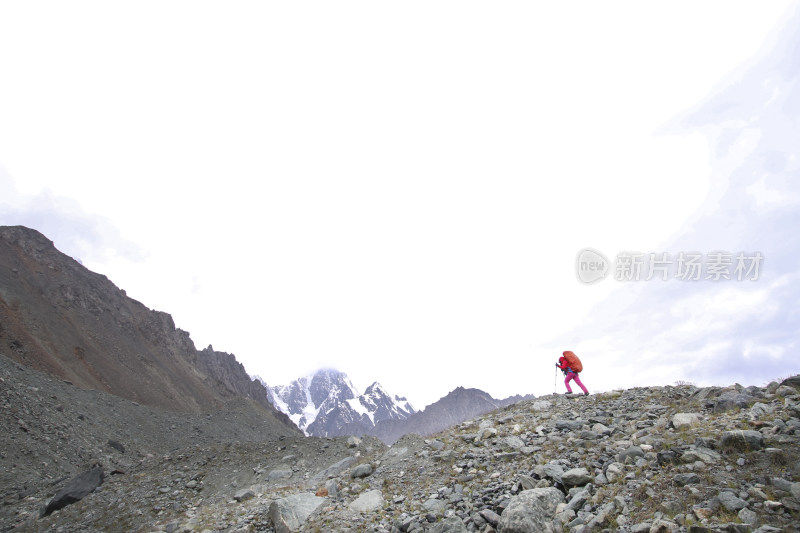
<point>571,376</point>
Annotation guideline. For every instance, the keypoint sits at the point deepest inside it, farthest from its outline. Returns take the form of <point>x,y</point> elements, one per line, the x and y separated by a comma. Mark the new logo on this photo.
<point>591,266</point>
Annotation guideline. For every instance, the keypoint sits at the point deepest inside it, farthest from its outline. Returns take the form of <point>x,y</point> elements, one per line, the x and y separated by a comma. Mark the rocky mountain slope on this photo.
<point>327,404</point>
<point>51,430</point>
<point>61,318</point>
<point>659,459</point>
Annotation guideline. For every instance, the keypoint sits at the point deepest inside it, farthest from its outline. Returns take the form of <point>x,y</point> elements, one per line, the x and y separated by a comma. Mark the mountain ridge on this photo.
<point>59,317</point>
<point>455,407</point>
<point>326,403</point>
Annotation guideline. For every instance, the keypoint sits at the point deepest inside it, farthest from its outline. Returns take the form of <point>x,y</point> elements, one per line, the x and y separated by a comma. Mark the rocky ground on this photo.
<point>642,460</point>
<point>51,431</point>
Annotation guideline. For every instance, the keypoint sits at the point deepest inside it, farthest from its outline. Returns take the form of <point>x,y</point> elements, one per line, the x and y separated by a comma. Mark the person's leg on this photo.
<point>578,381</point>
<point>566,381</point>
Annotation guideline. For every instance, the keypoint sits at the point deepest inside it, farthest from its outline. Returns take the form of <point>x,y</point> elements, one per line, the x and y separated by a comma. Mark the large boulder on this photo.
<point>630,454</point>
<point>513,442</point>
<point>372,500</point>
<point>793,381</point>
<point>333,470</point>
<point>685,420</point>
<point>531,510</point>
<point>576,477</point>
<point>552,471</point>
<point>361,471</point>
<point>75,490</point>
<point>743,440</point>
<point>288,514</point>
<point>731,501</point>
<point>541,405</point>
<point>730,400</point>
<point>571,425</point>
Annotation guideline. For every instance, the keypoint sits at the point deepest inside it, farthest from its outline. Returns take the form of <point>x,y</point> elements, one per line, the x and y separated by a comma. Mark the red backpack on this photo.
<point>573,361</point>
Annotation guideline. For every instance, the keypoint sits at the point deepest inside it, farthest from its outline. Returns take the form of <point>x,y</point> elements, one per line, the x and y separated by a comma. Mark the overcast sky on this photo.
<point>400,190</point>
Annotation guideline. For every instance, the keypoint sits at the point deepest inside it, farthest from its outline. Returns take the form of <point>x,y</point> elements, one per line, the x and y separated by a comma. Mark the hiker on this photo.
<point>570,365</point>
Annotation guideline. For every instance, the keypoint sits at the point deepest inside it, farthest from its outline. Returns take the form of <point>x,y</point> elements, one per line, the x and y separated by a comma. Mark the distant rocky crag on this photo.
<point>59,317</point>
<point>459,405</point>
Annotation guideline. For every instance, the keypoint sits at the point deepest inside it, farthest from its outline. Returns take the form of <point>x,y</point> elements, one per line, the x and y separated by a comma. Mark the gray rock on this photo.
<point>513,442</point>
<point>672,507</point>
<point>748,516</point>
<point>275,475</point>
<point>631,454</point>
<point>576,477</point>
<point>767,529</point>
<point>793,381</point>
<point>759,410</point>
<point>795,490</point>
<point>486,433</point>
<point>361,471</point>
<point>732,400</point>
<point>601,517</point>
<point>700,453</point>
<point>372,500</point>
<point>531,510</point>
<point>449,525</point>
<point>552,471</point>
<point>244,494</point>
<point>490,516</point>
<point>686,420</point>
<point>614,471</point>
<point>743,440</point>
<point>288,514</point>
<point>782,484</point>
<point>353,442</point>
<point>526,482</point>
<point>335,469</point>
<point>730,501</point>
<point>577,502</point>
<point>541,405</point>
<point>663,526</point>
<point>602,429</point>
<point>76,489</point>
<point>332,487</point>
<point>571,425</point>
<point>686,479</point>
<point>434,505</point>
<point>436,444</point>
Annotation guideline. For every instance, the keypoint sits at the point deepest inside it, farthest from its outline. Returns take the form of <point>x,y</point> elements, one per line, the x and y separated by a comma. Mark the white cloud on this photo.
<point>396,191</point>
<point>720,332</point>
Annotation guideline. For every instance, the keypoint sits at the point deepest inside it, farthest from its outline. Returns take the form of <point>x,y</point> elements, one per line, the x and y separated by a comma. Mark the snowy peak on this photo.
<point>329,383</point>
<point>383,406</point>
<point>327,404</point>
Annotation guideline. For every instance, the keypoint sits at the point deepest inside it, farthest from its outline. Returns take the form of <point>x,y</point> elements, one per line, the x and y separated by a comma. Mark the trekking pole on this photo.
<point>555,380</point>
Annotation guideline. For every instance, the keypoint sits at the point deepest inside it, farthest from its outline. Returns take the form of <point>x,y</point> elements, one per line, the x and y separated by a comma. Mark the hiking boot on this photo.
<point>568,392</point>
<point>586,394</point>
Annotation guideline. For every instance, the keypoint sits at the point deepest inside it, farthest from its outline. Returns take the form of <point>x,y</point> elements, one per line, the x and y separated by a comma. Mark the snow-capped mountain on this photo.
<point>326,404</point>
